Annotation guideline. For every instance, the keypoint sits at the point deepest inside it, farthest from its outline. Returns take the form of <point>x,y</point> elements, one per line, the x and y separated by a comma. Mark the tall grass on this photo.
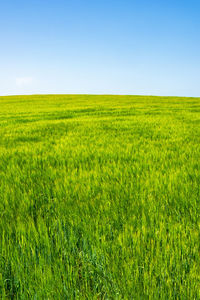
<point>99,197</point>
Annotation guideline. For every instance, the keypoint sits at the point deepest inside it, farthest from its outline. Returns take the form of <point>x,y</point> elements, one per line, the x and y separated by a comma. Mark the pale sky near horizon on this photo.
<point>100,47</point>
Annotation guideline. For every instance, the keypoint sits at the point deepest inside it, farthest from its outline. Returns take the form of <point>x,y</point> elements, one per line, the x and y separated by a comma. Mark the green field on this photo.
<point>99,197</point>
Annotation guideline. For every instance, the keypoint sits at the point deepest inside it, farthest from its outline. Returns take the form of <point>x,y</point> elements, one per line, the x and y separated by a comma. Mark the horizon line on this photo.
<point>91,94</point>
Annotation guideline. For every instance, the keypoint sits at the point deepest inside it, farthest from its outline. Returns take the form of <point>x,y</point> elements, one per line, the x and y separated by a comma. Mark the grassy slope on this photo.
<point>99,197</point>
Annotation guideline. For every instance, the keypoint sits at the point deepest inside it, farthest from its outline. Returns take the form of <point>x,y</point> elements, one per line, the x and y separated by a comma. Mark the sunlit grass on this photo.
<point>99,197</point>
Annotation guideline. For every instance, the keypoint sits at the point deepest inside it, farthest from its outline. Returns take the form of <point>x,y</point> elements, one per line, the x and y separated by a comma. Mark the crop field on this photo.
<point>99,197</point>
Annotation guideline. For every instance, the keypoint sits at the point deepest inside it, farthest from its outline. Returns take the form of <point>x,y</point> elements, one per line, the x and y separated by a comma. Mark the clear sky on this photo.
<point>100,47</point>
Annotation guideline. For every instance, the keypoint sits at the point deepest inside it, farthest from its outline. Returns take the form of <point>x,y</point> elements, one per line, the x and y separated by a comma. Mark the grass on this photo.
<point>99,197</point>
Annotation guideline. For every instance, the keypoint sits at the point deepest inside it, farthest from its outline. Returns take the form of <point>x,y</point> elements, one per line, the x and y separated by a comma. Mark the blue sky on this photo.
<point>100,47</point>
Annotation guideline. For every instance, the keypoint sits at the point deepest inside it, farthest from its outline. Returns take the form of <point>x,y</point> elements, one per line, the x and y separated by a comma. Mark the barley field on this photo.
<point>99,197</point>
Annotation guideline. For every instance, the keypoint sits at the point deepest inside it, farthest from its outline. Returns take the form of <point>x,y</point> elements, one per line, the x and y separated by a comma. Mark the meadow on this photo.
<point>99,197</point>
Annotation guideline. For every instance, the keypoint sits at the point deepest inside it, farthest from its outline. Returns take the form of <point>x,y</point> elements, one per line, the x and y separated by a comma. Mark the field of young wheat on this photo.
<point>99,197</point>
